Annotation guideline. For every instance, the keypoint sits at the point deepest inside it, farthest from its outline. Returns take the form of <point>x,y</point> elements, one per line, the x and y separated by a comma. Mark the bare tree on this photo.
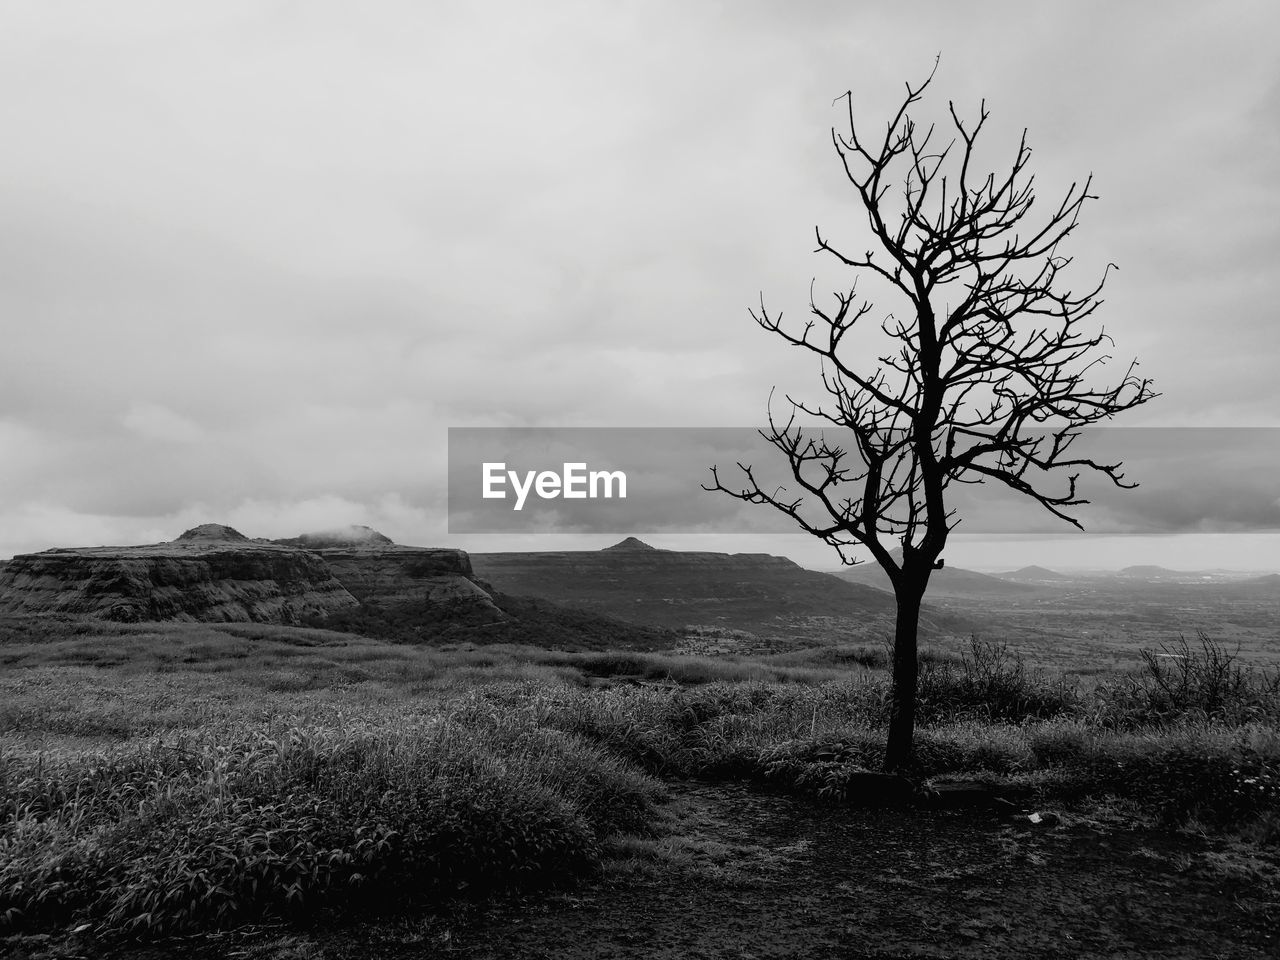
<point>987,376</point>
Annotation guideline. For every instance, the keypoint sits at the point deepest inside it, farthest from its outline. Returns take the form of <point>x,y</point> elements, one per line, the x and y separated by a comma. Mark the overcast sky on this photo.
<point>257,257</point>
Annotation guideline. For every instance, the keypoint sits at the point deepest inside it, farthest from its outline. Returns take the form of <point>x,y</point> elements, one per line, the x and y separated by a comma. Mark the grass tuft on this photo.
<point>244,824</point>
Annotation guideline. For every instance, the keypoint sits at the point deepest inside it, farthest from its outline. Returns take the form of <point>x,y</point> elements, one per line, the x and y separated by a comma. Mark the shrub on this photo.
<point>992,684</point>
<point>1218,775</point>
<point>1180,683</point>
<point>282,822</point>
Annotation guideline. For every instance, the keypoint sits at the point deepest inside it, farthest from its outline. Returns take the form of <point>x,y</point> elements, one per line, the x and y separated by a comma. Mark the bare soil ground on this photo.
<point>747,874</point>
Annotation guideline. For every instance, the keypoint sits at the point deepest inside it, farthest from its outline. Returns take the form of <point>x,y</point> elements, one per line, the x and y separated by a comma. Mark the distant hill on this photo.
<point>756,592</point>
<point>211,533</point>
<point>947,582</point>
<point>630,544</point>
<point>1034,574</point>
<point>1147,571</point>
<point>1255,588</point>
<point>430,595</point>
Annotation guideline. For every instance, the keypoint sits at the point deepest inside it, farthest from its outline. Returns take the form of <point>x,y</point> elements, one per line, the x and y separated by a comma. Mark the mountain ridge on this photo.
<point>947,581</point>
<point>756,592</point>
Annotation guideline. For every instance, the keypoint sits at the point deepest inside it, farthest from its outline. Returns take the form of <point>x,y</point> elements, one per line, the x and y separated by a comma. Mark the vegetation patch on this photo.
<point>244,824</point>
<point>528,620</point>
<point>211,775</point>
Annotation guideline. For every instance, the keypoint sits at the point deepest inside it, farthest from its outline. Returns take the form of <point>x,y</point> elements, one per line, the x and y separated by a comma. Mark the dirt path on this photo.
<point>786,878</point>
<point>756,875</point>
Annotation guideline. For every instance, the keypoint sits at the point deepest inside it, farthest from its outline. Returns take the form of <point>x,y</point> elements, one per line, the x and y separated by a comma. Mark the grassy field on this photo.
<point>161,779</point>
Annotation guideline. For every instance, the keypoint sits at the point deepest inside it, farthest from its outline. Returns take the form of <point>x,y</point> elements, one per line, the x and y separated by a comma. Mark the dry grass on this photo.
<point>191,775</point>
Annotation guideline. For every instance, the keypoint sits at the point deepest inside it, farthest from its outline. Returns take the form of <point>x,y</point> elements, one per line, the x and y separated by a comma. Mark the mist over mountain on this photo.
<point>355,535</point>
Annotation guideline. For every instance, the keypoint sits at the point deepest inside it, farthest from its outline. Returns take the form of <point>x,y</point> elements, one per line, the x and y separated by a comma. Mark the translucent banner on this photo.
<point>650,480</point>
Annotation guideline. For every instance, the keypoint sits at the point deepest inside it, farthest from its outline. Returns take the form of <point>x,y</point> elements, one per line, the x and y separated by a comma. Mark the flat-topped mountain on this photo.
<point>378,570</point>
<point>211,572</point>
<point>432,594</point>
<point>214,572</point>
<point>756,592</point>
<point>353,579</point>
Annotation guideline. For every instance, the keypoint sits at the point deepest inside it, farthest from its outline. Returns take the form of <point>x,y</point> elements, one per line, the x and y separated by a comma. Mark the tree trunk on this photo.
<point>902,709</point>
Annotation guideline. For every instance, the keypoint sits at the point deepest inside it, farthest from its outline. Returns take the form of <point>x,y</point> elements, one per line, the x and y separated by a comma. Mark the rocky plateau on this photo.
<point>215,573</point>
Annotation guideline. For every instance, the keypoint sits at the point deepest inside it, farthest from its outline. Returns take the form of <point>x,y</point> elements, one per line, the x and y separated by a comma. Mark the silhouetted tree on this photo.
<point>986,377</point>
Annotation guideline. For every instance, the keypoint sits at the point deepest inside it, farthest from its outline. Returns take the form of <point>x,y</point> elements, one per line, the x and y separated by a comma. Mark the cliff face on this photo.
<point>215,573</point>
<point>396,574</point>
<point>210,573</point>
<point>377,570</point>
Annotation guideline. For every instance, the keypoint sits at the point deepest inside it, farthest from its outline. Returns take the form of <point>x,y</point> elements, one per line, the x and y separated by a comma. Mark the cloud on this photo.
<point>151,421</point>
<point>268,253</point>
